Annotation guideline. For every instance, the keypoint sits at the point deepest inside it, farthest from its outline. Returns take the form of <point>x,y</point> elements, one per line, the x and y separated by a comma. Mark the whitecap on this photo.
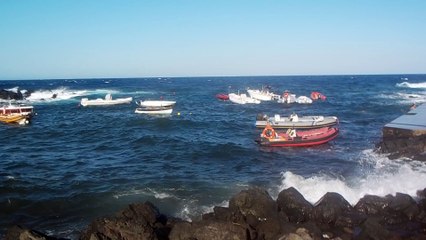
<point>411,85</point>
<point>377,176</point>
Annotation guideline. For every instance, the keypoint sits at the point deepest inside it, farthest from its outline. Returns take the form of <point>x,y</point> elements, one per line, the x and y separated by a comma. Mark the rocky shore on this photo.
<point>12,95</point>
<point>253,214</point>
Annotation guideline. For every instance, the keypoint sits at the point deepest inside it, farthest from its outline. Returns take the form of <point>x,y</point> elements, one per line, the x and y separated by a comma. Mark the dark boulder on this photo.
<point>372,229</point>
<point>256,202</point>
<point>372,205</point>
<point>208,230</point>
<point>11,95</point>
<point>137,221</point>
<point>330,207</point>
<point>296,207</point>
<point>405,204</point>
<point>18,232</point>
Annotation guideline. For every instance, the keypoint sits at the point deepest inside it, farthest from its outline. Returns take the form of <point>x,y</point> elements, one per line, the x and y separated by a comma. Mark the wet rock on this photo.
<point>372,205</point>
<point>208,230</point>
<point>137,221</point>
<point>372,229</point>
<point>330,207</point>
<point>296,207</point>
<point>404,203</point>
<point>256,202</point>
<point>18,232</point>
<point>11,95</point>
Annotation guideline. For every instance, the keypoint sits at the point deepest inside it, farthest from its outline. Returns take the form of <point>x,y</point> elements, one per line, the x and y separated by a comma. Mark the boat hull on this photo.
<point>306,122</point>
<point>102,102</point>
<point>154,111</point>
<point>242,99</point>
<point>18,118</point>
<point>300,141</point>
<point>222,96</point>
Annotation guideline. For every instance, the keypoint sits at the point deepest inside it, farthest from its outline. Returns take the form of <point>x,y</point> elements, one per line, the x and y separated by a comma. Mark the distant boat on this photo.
<point>155,107</point>
<point>303,100</point>
<point>317,96</point>
<point>20,114</point>
<point>263,95</point>
<point>287,97</point>
<point>242,99</point>
<point>222,96</point>
<point>105,101</point>
<point>297,138</point>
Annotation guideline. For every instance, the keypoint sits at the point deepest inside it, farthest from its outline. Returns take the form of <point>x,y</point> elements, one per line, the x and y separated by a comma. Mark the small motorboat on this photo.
<point>317,96</point>
<point>287,97</point>
<point>105,101</point>
<point>222,96</point>
<point>242,99</point>
<point>295,121</point>
<point>303,100</point>
<point>155,107</point>
<point>297,138</point>
<point>20,114</point>
<point>263,95</point>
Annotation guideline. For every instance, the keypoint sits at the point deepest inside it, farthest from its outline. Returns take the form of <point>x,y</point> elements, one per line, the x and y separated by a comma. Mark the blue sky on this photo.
<point>41,39</point>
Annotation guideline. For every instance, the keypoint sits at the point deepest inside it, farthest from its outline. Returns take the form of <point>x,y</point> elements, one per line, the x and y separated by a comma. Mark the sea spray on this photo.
<point>377,176</point>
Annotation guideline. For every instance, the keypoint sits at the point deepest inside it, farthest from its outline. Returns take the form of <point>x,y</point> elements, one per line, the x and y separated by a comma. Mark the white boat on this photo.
<point>295,121</point>
<point>242,99</point>
<point>105,101</point>
<point>155,107</point>
<point>263,95</point>
<point>20,114</point>
<point>304,100</point>
<point>287,98</point>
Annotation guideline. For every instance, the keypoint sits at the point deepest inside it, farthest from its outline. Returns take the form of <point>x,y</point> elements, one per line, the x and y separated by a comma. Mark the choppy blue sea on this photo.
<point>73,164</point>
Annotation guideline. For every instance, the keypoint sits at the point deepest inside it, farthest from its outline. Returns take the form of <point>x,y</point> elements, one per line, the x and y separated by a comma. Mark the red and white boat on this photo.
<point>20,114</point>
<point>317,96</point>
<point>222,96</point>
<point>297,138</point>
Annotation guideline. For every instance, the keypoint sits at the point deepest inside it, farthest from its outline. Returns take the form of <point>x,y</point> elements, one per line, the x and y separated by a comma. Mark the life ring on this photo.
<point>268,132</point>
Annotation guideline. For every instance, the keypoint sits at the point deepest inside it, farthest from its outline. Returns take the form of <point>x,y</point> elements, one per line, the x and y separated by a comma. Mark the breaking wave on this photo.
<point>377,176</point>
<point>411,85</point>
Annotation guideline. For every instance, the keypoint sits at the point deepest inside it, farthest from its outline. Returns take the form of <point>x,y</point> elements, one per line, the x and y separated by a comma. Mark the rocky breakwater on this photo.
<point>13,95</point>
<point>406,135</point>
<point>253,214</point>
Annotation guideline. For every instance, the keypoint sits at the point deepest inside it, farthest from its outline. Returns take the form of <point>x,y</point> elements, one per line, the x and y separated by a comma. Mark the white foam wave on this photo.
<point>14,89</point>
<point>406,98</point>
<point>147,192</point>
<point>61,93</point>
<point>191,211</point>
<point>411,85</point>
<point>378,176</point>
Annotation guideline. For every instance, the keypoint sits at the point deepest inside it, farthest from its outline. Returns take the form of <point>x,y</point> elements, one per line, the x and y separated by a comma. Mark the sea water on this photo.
<point>73,164</point>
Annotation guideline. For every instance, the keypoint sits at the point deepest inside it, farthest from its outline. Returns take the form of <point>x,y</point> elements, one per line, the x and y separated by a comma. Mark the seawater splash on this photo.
<point>61,93</point>
<point>377,176</point>
<point>411,85</point>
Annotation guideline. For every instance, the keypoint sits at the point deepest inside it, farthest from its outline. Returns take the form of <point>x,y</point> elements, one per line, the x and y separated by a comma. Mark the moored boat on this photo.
<point>155,107</point>
<point>242,99</point>
<point>263,95</point>
<point>297,138</point>
<point>287,97</point>
<point>20,114</point>
<point>222,96</point>
<point>295,121</point>
<point>317,96</point>
<point>303,100</point>
<point>105,101</point>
